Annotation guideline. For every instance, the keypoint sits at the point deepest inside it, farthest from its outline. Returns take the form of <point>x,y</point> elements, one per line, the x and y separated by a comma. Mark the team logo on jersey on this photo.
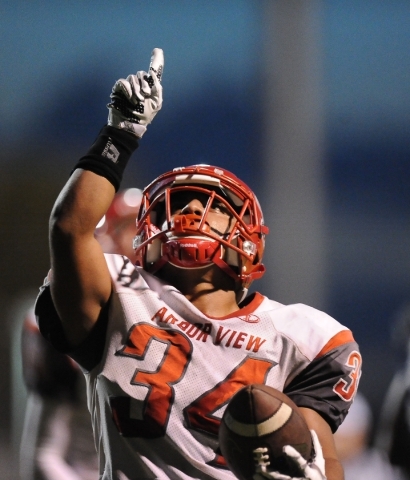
<point>251,318</point>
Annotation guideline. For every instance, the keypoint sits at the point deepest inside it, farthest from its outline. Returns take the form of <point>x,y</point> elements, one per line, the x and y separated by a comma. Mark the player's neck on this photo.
<point>209,289</point>
<point>213,303</point>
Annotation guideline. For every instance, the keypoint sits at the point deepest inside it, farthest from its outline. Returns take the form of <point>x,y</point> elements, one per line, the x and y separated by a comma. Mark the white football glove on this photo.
<point>137,99</point>
<point>314,470</point>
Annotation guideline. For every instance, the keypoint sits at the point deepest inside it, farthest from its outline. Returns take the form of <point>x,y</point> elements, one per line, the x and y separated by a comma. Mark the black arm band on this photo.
<point>109,154</point>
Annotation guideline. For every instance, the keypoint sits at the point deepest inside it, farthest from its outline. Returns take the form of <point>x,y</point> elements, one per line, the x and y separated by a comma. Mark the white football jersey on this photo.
<point>167,371</point>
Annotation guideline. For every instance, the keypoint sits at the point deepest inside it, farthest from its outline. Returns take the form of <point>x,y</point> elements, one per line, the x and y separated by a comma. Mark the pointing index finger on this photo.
<point>157,63</point>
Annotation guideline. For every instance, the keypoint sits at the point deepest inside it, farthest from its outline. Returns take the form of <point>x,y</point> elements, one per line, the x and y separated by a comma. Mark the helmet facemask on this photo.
<point>186,239</point>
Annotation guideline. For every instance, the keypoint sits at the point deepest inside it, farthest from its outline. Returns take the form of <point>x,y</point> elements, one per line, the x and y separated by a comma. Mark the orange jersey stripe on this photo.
<point>340,338</point>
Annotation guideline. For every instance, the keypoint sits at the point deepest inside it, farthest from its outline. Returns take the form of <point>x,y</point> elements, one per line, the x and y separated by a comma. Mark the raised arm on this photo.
<point>80,281</point>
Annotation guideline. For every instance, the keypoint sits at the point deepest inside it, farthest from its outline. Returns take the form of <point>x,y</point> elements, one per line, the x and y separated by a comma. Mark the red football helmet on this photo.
<point>186,240</point>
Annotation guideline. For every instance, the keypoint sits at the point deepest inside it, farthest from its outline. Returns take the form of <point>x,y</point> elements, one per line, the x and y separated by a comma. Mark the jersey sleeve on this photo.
<point>90,351</point>
<point>329,383</point>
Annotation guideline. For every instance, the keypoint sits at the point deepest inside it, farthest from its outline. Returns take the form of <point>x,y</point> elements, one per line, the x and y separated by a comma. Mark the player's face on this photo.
<point>219,219</point>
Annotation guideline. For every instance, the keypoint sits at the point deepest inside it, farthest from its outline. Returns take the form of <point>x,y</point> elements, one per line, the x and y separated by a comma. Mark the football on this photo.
<point>257,422</point>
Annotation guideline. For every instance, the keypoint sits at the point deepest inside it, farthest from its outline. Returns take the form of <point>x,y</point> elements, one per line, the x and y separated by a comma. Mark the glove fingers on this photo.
<point>314,470</point>
<point>156,102</point>
<point>137,99</point>
<point>311,471</point>
<point>156,90</point>
<point>136,96</point>
<point>155,96</point>
<point>145,88</point>
<point>295,456</point>
<point>319,460</point>
<point>157,63</point>
<point>316,444</point>
<point>123,87</point>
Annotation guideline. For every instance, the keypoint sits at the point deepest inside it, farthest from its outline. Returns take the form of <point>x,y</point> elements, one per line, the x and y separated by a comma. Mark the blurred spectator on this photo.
<point>117,228</point>
<point>359,459</point>
<point>57,440</point>
<point>393,430</point>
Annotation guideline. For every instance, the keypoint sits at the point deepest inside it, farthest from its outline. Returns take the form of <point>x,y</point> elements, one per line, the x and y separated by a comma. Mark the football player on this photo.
<point>166,340</point>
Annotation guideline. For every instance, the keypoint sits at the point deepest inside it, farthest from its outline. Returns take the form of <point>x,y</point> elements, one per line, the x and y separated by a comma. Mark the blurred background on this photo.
<point>308,102</point>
